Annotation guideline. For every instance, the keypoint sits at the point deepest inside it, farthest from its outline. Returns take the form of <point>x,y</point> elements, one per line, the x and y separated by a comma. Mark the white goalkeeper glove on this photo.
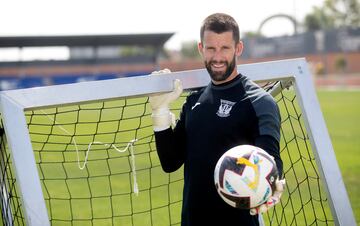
<point>161,116</point>
<point>273,200</point>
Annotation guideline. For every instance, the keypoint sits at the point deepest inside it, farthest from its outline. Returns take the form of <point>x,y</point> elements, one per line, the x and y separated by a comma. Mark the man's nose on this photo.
<point>217,55</point>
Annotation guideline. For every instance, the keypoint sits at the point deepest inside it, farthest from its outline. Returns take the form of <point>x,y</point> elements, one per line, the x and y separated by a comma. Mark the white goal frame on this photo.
<point>13,103</point>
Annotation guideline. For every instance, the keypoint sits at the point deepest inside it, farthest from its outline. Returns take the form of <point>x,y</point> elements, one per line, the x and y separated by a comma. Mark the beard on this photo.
<point>220,75</point>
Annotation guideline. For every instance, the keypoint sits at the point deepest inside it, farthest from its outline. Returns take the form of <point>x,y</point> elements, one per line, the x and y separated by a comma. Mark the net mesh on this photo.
<point>98,138</point>
<point>304,201</point>
<point>11,212</point>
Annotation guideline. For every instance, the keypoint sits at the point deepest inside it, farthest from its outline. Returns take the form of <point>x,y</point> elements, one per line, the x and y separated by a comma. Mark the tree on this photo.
<point>252,34</point>
<point>318,20</point>
<point>189,49</point>
<point>334,14</point>
<point>344,12</point>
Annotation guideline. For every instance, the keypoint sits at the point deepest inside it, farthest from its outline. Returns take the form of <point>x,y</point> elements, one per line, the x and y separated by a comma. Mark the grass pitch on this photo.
<point>109,180</point>
<point>341,110</point>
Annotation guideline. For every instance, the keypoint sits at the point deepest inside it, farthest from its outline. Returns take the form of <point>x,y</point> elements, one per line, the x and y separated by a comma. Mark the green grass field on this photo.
<point>341,111</point>
<point>109,185</point>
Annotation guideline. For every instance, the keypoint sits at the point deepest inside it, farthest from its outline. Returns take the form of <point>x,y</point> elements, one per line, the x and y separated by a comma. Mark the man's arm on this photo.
<point>168,141</point>
<point>271,146</point>
<point>170,146</point>
<point>268,140</point>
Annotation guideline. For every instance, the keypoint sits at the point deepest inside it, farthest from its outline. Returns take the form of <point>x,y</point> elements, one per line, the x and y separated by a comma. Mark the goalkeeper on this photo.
<point>230,111</point>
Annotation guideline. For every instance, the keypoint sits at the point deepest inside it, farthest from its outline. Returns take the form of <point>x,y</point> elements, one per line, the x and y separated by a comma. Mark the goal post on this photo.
<point>322,146</point>
<point>47,127</point>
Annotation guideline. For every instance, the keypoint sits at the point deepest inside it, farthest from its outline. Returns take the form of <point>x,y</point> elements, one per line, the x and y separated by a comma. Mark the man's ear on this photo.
<point>200,48</point>
<point>239,48</point>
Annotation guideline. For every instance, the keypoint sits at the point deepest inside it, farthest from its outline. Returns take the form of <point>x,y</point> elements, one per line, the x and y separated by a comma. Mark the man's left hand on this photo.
<point>273,200</point>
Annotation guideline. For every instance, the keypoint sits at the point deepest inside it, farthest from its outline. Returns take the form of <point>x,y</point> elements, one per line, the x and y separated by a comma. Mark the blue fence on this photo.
<point>12,82</point>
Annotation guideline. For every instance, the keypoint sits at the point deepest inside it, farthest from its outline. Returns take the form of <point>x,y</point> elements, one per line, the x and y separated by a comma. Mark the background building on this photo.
<point>334,56</point>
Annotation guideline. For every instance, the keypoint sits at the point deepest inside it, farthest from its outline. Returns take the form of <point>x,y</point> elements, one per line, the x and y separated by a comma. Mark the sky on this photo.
<point>183,17</point>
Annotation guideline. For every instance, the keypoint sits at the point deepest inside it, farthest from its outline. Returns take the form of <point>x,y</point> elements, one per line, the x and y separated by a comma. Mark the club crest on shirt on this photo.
<point>225,108</point>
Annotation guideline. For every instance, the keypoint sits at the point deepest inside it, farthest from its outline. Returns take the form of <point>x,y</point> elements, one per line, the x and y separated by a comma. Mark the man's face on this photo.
<point>219,52</point>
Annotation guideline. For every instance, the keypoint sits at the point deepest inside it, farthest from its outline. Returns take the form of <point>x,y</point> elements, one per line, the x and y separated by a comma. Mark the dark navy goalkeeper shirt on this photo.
<point>212,121</point>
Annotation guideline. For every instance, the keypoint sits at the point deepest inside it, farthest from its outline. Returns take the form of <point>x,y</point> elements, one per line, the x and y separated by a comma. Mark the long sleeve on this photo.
<point>171,144</point>
<point>269,121</point>
<point>271,146</point>
<point>170,148</point>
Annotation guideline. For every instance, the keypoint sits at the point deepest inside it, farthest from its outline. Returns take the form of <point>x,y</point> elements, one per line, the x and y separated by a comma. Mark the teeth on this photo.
<point>218,65</point>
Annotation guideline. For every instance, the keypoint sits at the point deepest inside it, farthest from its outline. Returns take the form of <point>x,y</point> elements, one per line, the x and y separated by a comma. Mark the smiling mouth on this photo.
<point>218,65</point>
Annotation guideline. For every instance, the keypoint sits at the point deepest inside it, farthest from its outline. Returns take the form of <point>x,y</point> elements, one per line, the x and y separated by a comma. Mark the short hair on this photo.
<point>219,23</point>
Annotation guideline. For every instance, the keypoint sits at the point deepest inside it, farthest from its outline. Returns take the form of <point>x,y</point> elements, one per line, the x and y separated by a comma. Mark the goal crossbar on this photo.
<point>13,103</point>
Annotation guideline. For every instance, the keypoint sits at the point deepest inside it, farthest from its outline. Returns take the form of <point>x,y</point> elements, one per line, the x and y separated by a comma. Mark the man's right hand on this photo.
<point>161,116</point>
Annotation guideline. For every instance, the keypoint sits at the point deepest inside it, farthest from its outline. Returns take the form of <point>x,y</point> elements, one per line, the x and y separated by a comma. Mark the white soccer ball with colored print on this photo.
<point>245,176</point>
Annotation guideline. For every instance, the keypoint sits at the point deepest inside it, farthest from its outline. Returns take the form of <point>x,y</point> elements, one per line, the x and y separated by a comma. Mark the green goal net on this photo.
<point>97,165</point>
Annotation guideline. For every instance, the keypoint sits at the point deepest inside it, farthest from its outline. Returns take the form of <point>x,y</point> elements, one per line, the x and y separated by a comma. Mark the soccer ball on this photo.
<point>245,176</point>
